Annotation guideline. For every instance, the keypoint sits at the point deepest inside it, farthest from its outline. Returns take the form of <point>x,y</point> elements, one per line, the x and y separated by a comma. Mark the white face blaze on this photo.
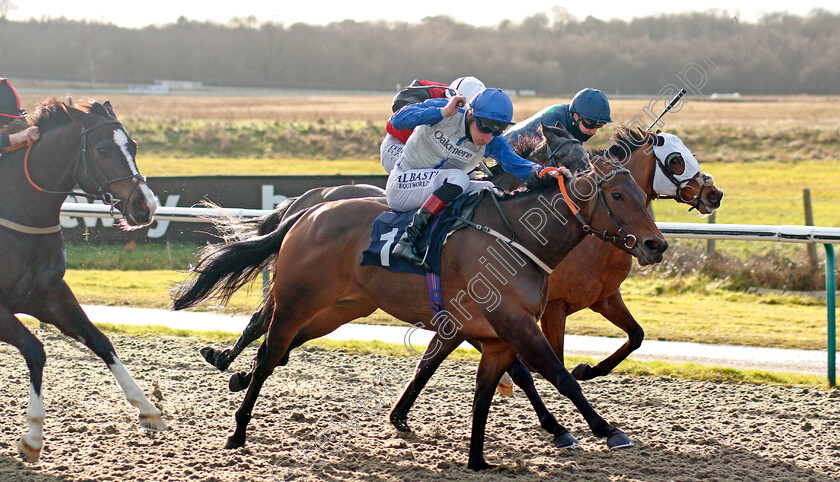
<point>121,139</point>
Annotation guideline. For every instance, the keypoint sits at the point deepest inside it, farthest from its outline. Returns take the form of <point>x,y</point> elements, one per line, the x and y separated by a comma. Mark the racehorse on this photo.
<point>319,283</point>
<point>553,146</point>
<point>85,145</point>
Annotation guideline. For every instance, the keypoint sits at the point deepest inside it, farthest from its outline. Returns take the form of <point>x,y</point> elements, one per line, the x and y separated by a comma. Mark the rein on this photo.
<point>82,160</point>
<point>627,240</point>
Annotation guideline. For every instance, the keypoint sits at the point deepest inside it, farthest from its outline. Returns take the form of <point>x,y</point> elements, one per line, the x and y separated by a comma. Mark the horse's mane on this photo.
<point>50,114</point>
<point>526,145</point>
<point>623,142</point>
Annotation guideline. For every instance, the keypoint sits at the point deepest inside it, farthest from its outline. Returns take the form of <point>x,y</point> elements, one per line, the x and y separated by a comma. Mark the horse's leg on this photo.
<point>553,324</point>
<point>15,334</point>
<point>62,310</point>
<point>495,359</point>
<point>318,326</point>
<point>257,327</point>
<point>292,322</point>
<point>613,309</point>
<point>439,348</point>
<point>524,336</point>
<point>521,376</point>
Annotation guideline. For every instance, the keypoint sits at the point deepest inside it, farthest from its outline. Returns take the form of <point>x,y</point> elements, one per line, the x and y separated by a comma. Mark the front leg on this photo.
<point>495,359</point>
<point>520,331</point>
<point>614,310</point>
<point>61,310</point>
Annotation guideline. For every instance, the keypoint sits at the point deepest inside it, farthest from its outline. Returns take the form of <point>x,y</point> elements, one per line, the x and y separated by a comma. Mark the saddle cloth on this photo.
<point>389,226</point>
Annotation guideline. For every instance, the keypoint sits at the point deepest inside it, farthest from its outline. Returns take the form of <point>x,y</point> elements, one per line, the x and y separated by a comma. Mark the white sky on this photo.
<point>319,12</point>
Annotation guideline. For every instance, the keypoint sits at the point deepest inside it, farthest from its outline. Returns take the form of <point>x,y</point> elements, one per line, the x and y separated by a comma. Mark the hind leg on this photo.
<point>61,310</point>
<point>286,332</point>
<point>15,334</point>
<point>257,327</point>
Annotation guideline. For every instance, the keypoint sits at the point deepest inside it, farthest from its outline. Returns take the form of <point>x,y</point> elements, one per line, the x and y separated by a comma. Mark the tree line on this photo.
<point>550,53</point>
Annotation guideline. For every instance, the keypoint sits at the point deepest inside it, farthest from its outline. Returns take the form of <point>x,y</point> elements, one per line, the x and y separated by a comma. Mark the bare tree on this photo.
<point>6,6</point>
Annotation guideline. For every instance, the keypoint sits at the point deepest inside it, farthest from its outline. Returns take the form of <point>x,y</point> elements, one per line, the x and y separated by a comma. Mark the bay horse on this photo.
<point>552,146</point>
<point>320,285</point>
<point>81,144</point>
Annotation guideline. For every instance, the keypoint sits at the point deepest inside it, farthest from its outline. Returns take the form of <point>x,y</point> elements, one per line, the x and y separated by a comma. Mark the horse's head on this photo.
<point>557,147</point>
<point>107,167</point>
<point>615,208</point>
<point>676,172</point>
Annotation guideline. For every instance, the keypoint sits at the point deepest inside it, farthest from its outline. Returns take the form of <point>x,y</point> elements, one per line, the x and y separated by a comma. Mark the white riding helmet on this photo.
<point>468,86</point>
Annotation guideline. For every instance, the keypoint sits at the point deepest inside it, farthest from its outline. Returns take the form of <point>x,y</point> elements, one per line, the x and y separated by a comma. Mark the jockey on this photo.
<point>9,112</point>
<point>391,148</point>
<point>447,143</point>
<point>588,112</point>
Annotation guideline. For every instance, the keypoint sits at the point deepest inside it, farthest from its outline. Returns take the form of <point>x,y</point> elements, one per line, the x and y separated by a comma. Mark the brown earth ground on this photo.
<point>322,417</point>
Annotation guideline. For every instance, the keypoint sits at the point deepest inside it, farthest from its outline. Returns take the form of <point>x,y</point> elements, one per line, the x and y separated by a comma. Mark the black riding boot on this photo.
<point>406,247</point>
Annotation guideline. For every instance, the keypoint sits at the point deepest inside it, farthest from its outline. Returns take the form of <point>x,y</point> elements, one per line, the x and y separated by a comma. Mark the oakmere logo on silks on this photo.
<point>446,142</point>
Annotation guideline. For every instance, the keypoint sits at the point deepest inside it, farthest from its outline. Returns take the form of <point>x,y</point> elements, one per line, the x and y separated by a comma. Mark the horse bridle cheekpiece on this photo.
<point>82,160</point>
<point>624,239</point>
<point>556,149</point>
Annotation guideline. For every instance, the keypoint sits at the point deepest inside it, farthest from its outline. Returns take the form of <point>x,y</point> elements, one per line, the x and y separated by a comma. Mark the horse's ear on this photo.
<point>78,116</point>
<point>99,109</point>
<point>110,109</point>
<point>659,140</point>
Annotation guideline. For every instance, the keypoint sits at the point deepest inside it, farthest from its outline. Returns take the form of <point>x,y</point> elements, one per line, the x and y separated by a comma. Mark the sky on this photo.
<point>316,12</point>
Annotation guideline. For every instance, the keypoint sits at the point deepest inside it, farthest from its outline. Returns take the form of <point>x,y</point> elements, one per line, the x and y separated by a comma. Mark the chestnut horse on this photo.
<point>319,283</point>
<point>82,145</point>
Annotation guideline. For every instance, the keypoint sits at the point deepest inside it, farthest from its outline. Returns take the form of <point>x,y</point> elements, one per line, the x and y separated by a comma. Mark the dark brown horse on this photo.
<point>319,284</point>
<point>82,145</point>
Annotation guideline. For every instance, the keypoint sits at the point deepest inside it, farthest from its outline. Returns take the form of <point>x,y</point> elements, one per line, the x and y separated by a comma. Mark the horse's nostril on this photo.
<point>656,246</point>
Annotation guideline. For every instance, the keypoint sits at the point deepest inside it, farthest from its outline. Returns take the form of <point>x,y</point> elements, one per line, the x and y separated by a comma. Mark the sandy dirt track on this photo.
<point>322,417</point>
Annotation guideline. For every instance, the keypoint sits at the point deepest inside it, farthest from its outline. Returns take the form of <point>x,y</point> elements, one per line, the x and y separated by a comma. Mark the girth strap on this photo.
<point>29,229</point>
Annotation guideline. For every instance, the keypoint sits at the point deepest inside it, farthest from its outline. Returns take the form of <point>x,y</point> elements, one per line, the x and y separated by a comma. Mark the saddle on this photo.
<point>389,226</point>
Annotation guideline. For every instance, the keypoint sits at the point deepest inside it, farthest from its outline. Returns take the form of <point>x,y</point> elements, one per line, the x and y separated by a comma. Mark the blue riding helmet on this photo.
<point>591,104</point>
<point>492,105</point>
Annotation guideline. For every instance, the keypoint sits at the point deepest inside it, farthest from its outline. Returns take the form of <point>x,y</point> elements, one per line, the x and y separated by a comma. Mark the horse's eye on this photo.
<point>101,150</point>
<point>675,161</point>
<point>616,196</point>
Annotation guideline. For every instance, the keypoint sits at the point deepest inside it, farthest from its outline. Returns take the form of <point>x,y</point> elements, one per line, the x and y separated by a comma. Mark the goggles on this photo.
<point>591,124</point>
<point>490,126</point>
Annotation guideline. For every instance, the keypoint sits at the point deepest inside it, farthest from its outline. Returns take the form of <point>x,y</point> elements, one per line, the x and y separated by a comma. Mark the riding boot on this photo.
<point>406,247</point>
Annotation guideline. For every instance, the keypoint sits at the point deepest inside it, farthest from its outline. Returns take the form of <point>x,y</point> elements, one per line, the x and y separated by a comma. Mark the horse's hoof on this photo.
<point>400,423</point>
<point>480,465</point>
<point>619,440</point>
<point>583,371</point>
<point>152,422</point>
<point>29,453</point>
<point>239,381</point>
<point>565,440</point>
<point>234,442</point>
<point>209,354</point>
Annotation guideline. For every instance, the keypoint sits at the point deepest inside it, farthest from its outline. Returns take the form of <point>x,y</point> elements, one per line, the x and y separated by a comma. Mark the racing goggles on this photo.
<point>591,124</point>
<point>490,126</point>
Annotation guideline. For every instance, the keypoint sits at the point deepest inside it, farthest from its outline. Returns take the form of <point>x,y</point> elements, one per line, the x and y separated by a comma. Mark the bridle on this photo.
<point>101,192</point>
<point>701,178</point>
<point>553,151</point>
<point>624,239</point>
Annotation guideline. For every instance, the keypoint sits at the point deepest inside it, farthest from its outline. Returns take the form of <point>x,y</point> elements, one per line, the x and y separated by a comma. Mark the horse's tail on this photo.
<point>237,229</point>
<point>224,268</point>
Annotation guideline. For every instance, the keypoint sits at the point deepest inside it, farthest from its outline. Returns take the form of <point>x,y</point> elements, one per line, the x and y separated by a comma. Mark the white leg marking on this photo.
<point>35,414</point>
<point>133,393</point>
